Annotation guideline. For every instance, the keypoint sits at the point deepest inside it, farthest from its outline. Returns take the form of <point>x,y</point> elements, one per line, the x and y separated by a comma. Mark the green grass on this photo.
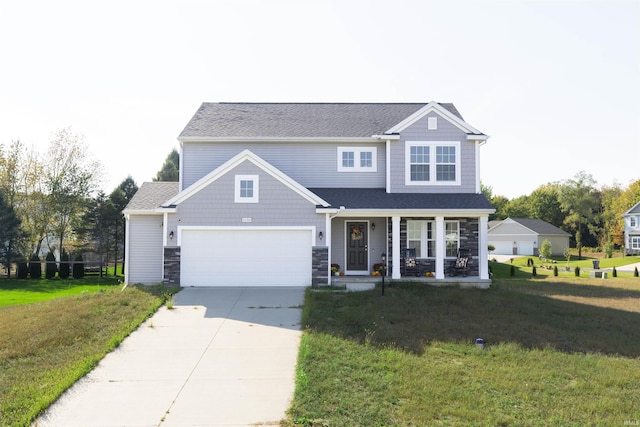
<point>545,267</point>
<point>27,291</point>
<point>558,351</point>
<point>46,346</point>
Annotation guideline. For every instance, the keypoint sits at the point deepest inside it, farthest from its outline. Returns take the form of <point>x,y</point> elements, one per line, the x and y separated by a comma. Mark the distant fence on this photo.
<point>90,267</point>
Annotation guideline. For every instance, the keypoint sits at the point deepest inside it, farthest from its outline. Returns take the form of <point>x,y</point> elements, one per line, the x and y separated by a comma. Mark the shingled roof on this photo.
<point>151,195</point>
<point>540,227</point>
<point>301,120</point>
<point>378,198</point>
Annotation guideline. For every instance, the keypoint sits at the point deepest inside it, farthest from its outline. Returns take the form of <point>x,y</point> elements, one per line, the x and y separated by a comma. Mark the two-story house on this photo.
<point>274,193</point>
<point>632,230</point>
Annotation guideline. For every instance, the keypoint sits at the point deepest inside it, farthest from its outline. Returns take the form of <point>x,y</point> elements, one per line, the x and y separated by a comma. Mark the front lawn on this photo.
<point>46,346</point>
<point>27,291</point>
<point>557,351</point>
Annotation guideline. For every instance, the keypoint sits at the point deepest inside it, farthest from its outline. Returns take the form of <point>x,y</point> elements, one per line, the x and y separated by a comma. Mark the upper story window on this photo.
<point>357,159</point>
<point>432,163</point>
<point>633,222</point>
<point>246,189</point>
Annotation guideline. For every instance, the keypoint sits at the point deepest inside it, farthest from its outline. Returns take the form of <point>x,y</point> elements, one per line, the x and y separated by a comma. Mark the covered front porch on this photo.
<point>415,246</point>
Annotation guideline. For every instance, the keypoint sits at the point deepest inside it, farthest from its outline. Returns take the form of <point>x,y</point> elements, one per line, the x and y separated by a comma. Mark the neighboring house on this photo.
<point>524,236</point>
<point>632,230</point>
<point>274,193</point>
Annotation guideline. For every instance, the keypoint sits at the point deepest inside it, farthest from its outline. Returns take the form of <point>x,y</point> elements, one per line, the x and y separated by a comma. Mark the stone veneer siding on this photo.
<point>171,266</point>
<point>320,266</point>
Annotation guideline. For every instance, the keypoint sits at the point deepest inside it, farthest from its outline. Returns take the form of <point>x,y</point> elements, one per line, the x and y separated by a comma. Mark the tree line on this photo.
<point>51,203</point>
<point>592,215</point>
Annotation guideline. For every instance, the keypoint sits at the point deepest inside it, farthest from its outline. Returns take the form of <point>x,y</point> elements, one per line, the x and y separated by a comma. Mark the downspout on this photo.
<point>126,249</point>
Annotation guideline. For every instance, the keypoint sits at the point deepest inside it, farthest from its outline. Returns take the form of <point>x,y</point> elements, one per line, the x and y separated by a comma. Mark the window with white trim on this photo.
<point>246,189</point>
<point>421,237</point>
<point>357,159</point>
<point>452,238</point>
<point>632,221</point>
<point>432,163</point>
<point>635,242</point>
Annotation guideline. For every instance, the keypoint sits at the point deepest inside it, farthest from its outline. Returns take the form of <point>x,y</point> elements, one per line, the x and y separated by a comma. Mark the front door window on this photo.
<point>357,247</point>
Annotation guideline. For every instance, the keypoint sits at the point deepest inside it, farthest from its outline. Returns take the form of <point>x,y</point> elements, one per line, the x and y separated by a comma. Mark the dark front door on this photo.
<point>357,246</point>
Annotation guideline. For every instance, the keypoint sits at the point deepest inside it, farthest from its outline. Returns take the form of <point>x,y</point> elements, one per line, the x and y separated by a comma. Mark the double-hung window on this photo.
<point>635,242</point>
<point>452,238</point>
<point>421,236</point>
<point>633,222</point>
<point>357,159</point>
<point>432,163</point>
<point>246,189</point>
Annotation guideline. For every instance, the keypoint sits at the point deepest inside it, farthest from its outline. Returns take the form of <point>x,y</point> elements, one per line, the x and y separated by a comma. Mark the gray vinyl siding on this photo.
<point>145,249</point>
<point>558,243</point>
<point>310,164</point>
<point>278,205</point>
<point>445,132</point>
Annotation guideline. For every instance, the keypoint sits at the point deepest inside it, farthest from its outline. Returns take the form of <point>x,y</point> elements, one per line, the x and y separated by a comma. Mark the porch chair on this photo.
<point>461,264</point>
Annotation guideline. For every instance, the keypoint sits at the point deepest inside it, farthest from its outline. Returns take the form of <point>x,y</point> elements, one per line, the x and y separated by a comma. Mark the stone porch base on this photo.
<point>463,282</point>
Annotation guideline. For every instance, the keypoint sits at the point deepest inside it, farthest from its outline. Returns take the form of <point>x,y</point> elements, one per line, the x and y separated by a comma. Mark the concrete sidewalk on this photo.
<point>221,357</point>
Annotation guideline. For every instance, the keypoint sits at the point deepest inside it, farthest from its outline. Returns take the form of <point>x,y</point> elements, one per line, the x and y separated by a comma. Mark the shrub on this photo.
<point>65,269</point>
<point>78,267</point>
<point>608,249</point>
<point>614,273</point>
<point>23,269</point>
<point>534,272</point>
<point>635,272</point>
<point>50,268</point>
<point>512,271</point>
<point>555,270</point>
<point>35,267</point>
<point>577,271</point>
<point>546,249</point>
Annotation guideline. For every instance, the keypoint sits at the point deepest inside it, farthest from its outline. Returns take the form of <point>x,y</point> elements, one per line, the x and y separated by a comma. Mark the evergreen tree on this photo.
<point>10,233</point>
<point>35,267</point>
<point>78,267</point>
<point>50,267</point>
<point>65,268</point>
<point>170,169</point>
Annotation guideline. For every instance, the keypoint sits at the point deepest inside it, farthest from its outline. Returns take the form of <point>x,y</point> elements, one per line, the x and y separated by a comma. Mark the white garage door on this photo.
<point>263,257</point>
<point>502,248</point>
<point>525,248</point>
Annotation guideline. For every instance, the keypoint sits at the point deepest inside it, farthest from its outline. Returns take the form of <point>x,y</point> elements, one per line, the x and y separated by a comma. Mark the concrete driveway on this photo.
<point>221,357</point>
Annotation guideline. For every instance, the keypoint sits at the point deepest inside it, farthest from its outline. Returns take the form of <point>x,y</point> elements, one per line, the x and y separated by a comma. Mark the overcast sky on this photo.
<point>556,84</point>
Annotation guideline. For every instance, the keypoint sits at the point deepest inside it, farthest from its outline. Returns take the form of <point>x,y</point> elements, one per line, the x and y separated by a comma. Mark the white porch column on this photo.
<point>327,239</point>
<point>395,246</point>
<point>440,247</point>
<point>483,248</point>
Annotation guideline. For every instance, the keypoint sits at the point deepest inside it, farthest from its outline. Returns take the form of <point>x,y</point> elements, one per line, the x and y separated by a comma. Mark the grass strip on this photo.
<point>45,347</point>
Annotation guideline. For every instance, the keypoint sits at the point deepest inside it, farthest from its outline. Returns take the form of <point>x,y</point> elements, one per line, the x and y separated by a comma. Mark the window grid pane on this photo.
<point>246,188</point>
<point>348,159</point>
<point>452,237</point>
<point>445,163</point>
<point>366,159</point>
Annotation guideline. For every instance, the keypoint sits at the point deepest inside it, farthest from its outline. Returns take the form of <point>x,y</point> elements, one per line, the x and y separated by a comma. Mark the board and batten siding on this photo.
<point>311,164</point>
<point>445,132</point>
<point>278,205</point>
<point>145,249</point>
